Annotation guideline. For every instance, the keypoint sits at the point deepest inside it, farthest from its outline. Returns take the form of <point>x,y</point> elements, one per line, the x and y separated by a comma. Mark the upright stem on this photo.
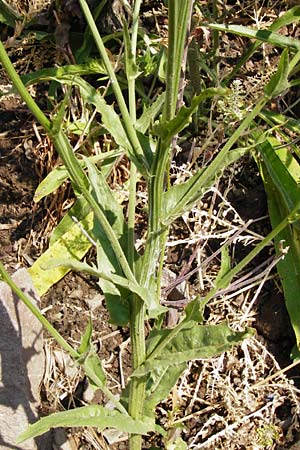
<point>179,16</point>
<point>137,308</point>
<point>17,82</point>
<point>130,130</point>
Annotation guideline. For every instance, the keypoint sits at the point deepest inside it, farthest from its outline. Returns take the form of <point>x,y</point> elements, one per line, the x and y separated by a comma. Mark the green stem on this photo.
<point>36,312</point>
<point>130,130</point>
<point>225,281</point>
<point>17,82</point>
<point>137,308</point>
<point>211,169</point>
<point>179,14</point>
<point>65,151</point>
<point>81,181</point>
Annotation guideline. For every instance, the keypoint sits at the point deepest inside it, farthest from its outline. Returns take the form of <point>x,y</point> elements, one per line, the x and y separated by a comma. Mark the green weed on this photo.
<point>131,281</point>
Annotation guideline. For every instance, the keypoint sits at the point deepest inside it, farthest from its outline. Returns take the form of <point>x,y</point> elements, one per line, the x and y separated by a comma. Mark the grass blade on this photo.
<point>276,39</point>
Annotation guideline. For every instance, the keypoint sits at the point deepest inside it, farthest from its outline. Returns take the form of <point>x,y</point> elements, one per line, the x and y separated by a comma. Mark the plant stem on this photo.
<point>17,82</point>
<point>65,151</point>
<point>81,181</point>
<point>137,308</point>
<point>179,16</point>
<point>211,169</point>
<point>36,312</point>
<point>224,282</point>
<point>130,130</point>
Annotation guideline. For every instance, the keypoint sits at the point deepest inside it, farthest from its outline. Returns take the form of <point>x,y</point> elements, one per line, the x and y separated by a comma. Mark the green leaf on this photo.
<point>116,301</point>
<point>159,383</point>
<point>88,416</point>
<point>55,73</point>
<point>92,365</point>
<point>51,183</point>
<point>280,173</point>
<point>8,15</point>
<point>279,81</point>
<point>261,35</point>
<point>70,244</point>
<point>284,171</point>
<point>195,342</point>
<point>166,130</point>
<point>225,265</point>
<point>181,197</point>
<point>194,310</point>
<point>86,339</point>
<point>89,359</point>
<point>288,17</point>
<point>150,113</point>
<point>178,444</point>
<point>110,119</point>
<point>60,174</point>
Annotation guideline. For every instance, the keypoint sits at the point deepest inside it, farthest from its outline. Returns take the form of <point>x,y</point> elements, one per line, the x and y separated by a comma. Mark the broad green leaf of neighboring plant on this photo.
<point>280,176</point>
<point>89,416</point>
<point>181,197</point>
<point>166,130</point>
<point>279,80</point>
<point>195,342</point>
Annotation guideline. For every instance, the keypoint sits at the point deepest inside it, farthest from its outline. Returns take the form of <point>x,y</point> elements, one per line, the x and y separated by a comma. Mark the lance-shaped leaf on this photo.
<point>280,173</point>
<point>160,382</point>
<point>181,197</point>
<point>60,174</point>
<point>195,342</point>
<point>89,416</point>
<point>279,80</point>
<point>70,244</point>
<point>150,113</point>
<point>166,130</point>
<point>91,67</point>
<point>288,17</point>
<point>261,35</point>
<point>116,293</point>
<point>110,119</point>
<point>8,15</point>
